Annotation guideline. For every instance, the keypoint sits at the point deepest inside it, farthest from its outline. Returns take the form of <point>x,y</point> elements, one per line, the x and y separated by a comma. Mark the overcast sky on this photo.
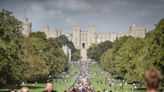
<point>105,15</point>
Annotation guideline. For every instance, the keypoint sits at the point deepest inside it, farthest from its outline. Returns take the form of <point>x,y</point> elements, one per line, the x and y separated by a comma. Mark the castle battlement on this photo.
<point>85,38</point>
<point>52,33</point>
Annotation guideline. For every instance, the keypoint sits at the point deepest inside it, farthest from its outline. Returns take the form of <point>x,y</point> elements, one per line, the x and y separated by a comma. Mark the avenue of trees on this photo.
<point>130,57</point>
<point>27,59</point>
<point>96,50</point>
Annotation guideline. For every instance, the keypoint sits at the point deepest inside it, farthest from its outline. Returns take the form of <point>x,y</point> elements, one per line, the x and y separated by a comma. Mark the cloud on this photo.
<point>75,5</point>
<point>144,14</point>
<point>69,21</point>
<point>55,13</point>
<point>39,9</point>
<point>106,9</point>
<point>36,8</point>
<point>81,5</point>
<point>108,15</point>
<point>120,2</point>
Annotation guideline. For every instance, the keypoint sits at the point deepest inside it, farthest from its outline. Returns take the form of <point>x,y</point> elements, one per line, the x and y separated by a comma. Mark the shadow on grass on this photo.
<point>34,87</point>
<point>5,89</point>
<point>141,89</point>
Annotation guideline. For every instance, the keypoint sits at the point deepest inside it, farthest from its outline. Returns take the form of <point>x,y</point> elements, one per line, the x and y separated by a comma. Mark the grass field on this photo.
<point>96,74</point>
<point>104,76</point>
<point>59,87</point>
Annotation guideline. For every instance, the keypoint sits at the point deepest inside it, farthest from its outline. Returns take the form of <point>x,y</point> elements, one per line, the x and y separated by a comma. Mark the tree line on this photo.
<point>130,57</point>
<point>27,58</point>
<point>96,50</point>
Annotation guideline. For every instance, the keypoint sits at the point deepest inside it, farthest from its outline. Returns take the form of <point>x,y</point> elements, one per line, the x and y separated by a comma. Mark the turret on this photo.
<point>26,27</point>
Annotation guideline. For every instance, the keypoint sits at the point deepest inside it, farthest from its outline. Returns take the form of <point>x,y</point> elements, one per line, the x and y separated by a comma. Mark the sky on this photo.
<point>105,15</point>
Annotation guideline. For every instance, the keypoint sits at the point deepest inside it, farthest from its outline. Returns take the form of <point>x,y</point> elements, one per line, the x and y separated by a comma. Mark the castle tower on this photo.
<point>76,36</point>
<point>136,31</point>
<point>52,33</point>
<point>26,27</point>
<point>91,37</point>
<point>90,28</point>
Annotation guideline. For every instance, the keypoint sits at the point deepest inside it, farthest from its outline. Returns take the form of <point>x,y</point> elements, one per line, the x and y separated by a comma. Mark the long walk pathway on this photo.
<point>82,83</point>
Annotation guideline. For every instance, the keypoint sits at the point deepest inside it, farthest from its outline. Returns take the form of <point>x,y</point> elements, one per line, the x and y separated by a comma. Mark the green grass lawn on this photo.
<point>103,76</point>
<point>114,88</point>
<point>59,87</point>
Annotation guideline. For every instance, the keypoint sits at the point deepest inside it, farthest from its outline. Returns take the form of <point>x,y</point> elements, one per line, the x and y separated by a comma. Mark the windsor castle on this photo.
<point>85,38</point>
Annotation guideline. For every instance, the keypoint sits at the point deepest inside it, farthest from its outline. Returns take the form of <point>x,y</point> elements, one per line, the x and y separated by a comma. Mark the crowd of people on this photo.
<point>83,84</point>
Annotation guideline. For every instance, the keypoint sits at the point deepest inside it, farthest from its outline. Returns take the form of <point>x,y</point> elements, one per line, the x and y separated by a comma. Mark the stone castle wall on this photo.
<point>87,37</point>
<point>52,32</point>
<point>84,39</point>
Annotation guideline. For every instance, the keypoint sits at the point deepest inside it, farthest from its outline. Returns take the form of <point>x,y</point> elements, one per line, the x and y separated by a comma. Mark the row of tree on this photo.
<point>96,50</point>
<point>30,58</point>
<point>131,57</point>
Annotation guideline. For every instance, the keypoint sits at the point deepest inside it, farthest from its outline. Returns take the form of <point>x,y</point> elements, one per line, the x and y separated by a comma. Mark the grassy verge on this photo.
<point>59,87</point>
<point>97,74</point>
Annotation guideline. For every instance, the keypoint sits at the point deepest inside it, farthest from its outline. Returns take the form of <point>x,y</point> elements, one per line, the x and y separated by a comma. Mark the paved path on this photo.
<point>82,83</point>
<point>83,54</point>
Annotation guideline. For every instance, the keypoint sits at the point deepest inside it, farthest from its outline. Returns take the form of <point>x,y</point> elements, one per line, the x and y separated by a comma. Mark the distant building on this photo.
<point>137,31</point>
<point>26,27</point>
<point>67,51</point>
<point>84,39</point>
<point>52,32</point>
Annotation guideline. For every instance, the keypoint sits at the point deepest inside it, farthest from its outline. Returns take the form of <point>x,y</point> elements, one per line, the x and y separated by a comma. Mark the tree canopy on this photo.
<point>96,50</point>
<point>27,59</point>
<point>131,57</point>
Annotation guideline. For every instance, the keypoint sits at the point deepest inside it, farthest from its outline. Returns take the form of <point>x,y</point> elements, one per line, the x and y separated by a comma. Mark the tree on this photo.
<point>63,40</point>
<point>27,59</point>
<point>10,44</point>
<point>133,56</point>
<point>92,52</point>
<point>58,61</point>
<point>155,39</point>
<point>76,55</point>
<point>95,51</point>
<point>50,52</point>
